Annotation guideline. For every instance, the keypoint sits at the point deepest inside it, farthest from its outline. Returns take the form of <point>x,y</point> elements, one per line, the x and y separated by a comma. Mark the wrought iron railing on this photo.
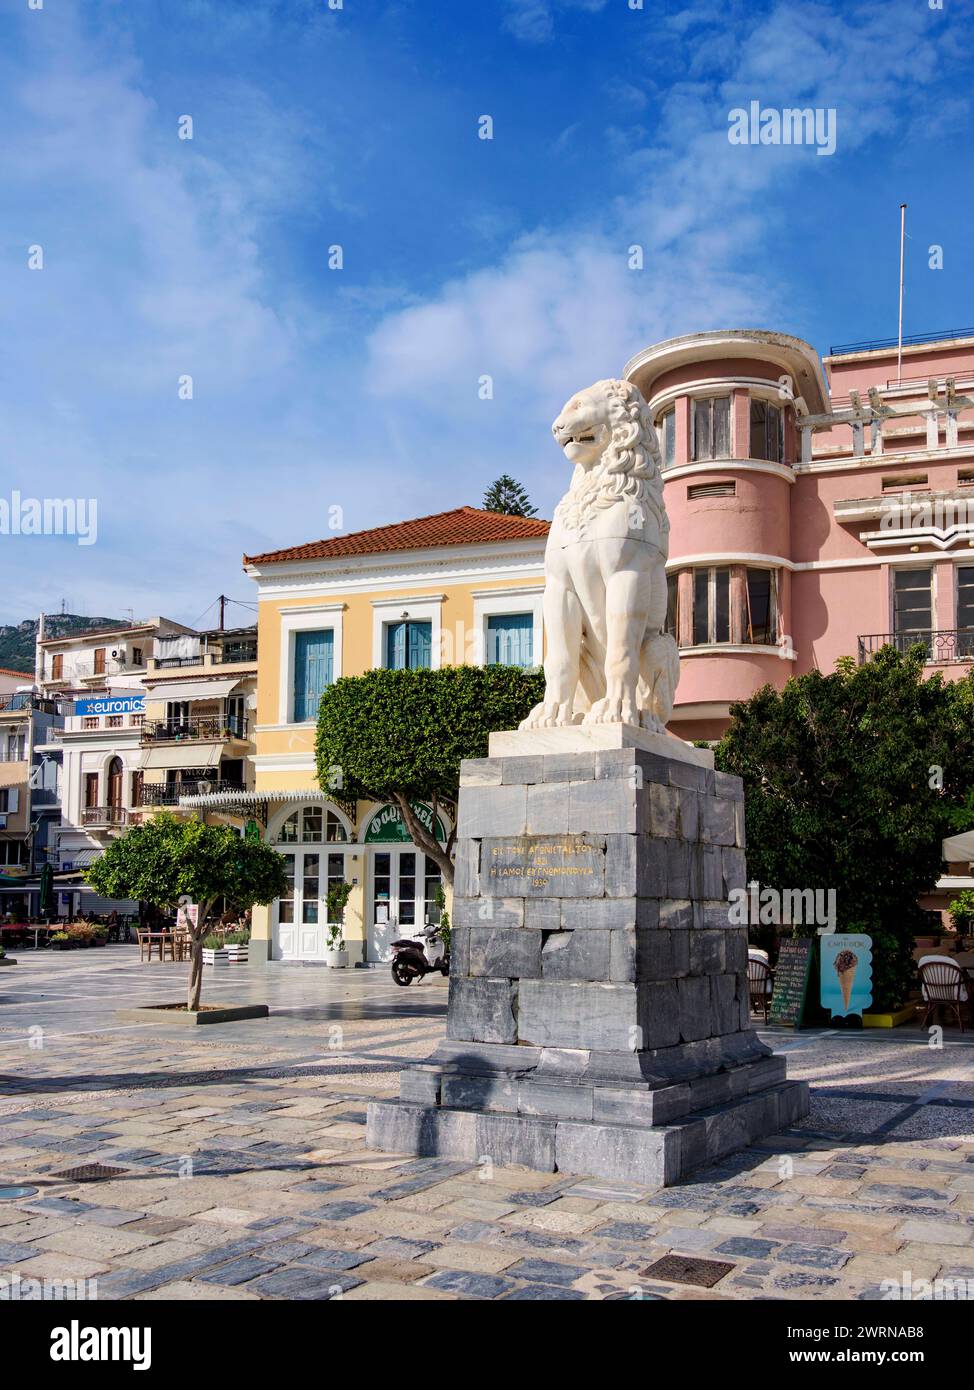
<point>169,793</point>
<point>203,726</point>
<point>942,645</point>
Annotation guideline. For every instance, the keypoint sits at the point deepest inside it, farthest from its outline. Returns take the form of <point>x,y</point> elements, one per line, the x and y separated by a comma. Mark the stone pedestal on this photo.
<point>598,1016</point>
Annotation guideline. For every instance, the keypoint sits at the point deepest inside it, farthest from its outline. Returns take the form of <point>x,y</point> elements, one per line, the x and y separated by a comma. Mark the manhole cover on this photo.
<point>10,1194</point>
<point>90,1172</point>
<point>683,1269</point>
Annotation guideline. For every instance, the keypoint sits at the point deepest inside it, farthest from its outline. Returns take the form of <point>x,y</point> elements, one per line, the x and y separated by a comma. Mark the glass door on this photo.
<point>302,910</point>
<point>404,884</point>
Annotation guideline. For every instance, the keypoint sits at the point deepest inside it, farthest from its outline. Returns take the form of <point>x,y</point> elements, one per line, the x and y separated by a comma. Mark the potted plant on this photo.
<point>81,933</point>
<point>4,958</point>
<point>337,900</point>
<point>962,913</point>
<point>60,941</point>
<point>446,930</point>
<point>99,937</point>
<point>214,950</point>
<point>230,949</point>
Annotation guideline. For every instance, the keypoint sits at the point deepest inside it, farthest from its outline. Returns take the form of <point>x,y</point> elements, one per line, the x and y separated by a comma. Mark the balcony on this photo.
<point>104,817</point>
<point>169,793</point>
<point>943,645</point>
<point>206,727</point>
<point>25,701</point>
<point>241,651</point>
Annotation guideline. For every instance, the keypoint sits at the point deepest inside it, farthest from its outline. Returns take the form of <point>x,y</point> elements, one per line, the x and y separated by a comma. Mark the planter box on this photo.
<point>891,1018</point>
<point>336,960</point>
<point>7,960</point>
<point>225,955</point>
<point>178,1013</point>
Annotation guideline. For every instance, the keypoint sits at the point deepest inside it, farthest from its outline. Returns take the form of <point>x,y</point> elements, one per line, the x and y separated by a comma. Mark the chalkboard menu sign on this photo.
<point>791,981</point>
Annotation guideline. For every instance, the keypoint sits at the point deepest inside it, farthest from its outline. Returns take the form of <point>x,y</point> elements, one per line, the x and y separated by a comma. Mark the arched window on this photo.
<point>115,782</point>
<point>314,824</point>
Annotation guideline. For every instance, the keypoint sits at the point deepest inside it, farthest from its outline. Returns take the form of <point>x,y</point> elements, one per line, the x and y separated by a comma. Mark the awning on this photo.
<point>193,690</point>
<point>83,858</point>
<point>187,753</point>
<point>959,849</point>
<point>244,798</point>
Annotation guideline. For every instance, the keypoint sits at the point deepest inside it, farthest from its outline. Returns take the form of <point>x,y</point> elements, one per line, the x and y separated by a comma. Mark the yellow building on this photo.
<point>463,586</point>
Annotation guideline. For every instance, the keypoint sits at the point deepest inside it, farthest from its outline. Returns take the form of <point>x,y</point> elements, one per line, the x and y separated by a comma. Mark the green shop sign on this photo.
<point>386,826</point>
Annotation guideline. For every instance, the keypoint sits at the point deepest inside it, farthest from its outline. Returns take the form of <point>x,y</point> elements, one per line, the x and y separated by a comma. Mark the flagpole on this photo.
<point>899,341</point>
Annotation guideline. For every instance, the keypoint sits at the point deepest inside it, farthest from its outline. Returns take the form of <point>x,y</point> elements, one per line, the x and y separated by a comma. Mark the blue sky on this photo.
<point>358,388</point>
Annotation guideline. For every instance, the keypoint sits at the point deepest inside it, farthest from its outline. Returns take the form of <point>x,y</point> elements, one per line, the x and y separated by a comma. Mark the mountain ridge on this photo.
<point>18,640</point>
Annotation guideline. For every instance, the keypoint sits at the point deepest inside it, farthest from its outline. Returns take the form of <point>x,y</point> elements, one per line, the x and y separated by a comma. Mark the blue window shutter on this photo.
<point>420,646</point>
<point>409,646</point>
<point>314,665</point>
<point>396,646</point>
<point>510,640</point>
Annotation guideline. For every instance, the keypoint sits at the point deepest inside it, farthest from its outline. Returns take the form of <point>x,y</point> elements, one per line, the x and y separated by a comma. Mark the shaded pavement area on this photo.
<point>243,1171</point>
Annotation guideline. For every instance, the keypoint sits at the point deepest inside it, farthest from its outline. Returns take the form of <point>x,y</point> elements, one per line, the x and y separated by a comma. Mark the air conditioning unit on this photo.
<point>118,654</point>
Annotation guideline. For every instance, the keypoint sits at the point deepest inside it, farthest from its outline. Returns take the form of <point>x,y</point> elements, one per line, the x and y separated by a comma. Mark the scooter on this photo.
<point>411,962</point>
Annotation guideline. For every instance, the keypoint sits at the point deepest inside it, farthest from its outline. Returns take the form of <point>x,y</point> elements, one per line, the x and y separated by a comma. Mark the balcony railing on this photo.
<point>168,793</point>
<point>245,652</point>
<point>943,645</point>
<point>195,727</point>
<point>166,662</point>
<point>104,815</point>
<point>24,701</point>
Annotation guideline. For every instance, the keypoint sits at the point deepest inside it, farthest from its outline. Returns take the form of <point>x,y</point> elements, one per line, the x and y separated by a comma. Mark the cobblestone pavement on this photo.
<point>245,1173</point>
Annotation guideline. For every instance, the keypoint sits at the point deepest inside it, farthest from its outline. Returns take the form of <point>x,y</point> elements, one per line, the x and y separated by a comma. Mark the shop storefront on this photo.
<point>401,881</point>
<point>394,885</point>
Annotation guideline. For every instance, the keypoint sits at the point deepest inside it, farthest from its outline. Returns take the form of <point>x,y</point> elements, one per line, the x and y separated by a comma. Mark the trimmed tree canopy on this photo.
<point>851,781</point>
<point>400,735</point>
<point>168,862</point>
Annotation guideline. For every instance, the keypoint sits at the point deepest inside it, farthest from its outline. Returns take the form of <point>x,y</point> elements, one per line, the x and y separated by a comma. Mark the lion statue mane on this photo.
<point>608,657</point>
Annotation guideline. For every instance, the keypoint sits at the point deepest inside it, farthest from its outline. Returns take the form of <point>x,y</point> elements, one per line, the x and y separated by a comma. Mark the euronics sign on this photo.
<point>111,704</point>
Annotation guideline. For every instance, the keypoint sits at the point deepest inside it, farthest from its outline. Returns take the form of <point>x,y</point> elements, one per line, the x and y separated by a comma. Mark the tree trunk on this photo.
<point>196,957</point>
<point>195,975</point>
<point>442,855</point>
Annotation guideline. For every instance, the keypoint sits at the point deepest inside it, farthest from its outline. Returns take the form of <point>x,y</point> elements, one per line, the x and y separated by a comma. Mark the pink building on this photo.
<point>818,509</point>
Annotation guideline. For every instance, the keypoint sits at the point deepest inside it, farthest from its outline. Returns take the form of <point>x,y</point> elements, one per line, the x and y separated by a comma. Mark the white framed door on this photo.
<point>401,896</point>
<point>301,929</point>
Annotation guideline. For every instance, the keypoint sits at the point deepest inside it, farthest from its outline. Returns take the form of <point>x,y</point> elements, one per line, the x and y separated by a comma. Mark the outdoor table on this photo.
<point>35,927</point>
<point>162,937</point>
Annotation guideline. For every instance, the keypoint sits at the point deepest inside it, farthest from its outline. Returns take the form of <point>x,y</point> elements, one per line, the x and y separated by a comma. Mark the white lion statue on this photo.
<point>608,659</point>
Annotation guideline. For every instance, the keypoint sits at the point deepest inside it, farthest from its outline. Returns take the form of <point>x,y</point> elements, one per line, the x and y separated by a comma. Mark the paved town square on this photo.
<point>244,1174</point>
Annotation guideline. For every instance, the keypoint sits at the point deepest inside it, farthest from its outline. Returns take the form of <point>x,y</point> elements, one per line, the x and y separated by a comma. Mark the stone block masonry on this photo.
<point>598,1018</point>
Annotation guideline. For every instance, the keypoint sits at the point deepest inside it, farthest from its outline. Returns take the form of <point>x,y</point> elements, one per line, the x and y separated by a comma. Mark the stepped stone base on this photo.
<point>598,1018</point>
<point>591,1113</point>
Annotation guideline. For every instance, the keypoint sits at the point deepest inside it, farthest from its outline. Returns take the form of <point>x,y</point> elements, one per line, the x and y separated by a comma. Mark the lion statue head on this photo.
<point>607,433</point>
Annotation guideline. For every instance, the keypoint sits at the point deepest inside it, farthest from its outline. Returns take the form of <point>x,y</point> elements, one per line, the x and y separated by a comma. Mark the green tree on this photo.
<point>400,736</point>
<point>508,496</point>
<point>169,862</point>
<point>851,781</point>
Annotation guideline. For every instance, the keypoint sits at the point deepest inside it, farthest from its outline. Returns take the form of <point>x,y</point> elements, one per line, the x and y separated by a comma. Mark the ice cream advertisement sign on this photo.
<point>847,973</point>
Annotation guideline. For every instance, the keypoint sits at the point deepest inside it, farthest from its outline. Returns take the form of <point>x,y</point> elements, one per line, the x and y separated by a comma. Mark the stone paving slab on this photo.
<point>246,1175</point>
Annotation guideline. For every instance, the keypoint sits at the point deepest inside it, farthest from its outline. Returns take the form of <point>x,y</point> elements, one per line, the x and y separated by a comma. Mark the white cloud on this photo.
<point>562,304</point>
<point>533,21</point>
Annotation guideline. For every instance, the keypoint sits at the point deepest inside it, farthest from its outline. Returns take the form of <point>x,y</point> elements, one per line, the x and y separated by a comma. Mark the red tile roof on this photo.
<point>461,526</point>
<point>21,675</point>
